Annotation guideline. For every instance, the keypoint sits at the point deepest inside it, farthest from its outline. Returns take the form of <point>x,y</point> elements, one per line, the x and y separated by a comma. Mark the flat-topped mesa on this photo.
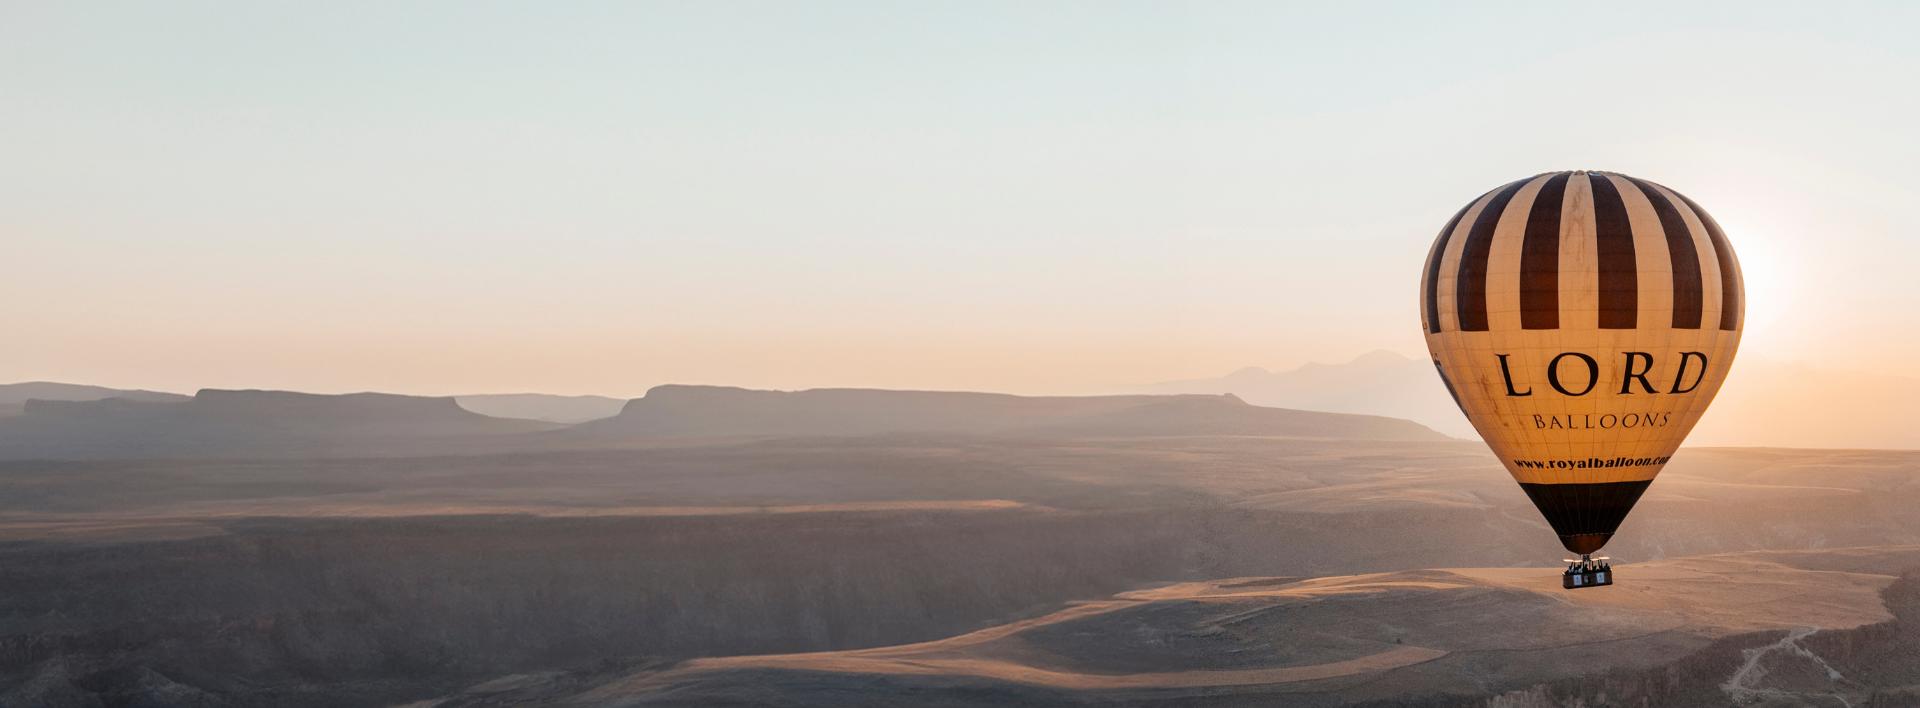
<point>681,410</point>
<point>285,410</point>
<point>352,414</point>
<point>44,409</point>
<point>222,423</point>
<point>19,393</point>
<point>350,407</point>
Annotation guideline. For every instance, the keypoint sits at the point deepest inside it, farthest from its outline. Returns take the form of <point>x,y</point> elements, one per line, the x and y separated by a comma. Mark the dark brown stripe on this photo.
<point>1540,258</point>
<point>1723,254</point>
<point>1450,390</point>
<point>1619,271</point>
<point>1470,292</point>
<point>1687,299</point>
<point>1585,515</point>
<point>1433,266</point>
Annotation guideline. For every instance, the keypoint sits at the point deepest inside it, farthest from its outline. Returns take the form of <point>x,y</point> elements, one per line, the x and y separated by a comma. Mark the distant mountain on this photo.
<point>13,397</point>
<point>681,411</point>
<point>541,406</point>
<point>1377,383</point>
<point>1774,404</point>
<point>217,423</point>
<point>1764,403</point>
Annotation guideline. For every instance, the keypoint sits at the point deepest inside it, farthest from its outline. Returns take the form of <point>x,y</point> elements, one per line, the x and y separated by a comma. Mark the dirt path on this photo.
<point>1743,686</point>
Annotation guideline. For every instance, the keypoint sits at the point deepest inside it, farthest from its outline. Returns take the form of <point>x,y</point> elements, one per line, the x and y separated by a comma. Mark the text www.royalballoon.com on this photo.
<point>1590,463</point>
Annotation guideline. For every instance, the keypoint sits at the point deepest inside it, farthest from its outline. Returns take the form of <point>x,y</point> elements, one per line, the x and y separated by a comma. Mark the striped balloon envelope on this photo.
<point>1582,321</point>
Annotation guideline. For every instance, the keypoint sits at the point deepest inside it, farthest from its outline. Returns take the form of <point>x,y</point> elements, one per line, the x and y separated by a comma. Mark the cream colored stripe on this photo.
<point>1655,276</point>
<point>1739,281</point>
<point>1579,258</point>
<point>1503,261</point>
<point>1710,294</point>
<point>1448,292</point>
<point>1426,277</point>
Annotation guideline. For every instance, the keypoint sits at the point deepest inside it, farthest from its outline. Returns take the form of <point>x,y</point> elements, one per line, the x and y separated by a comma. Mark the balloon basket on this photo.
<point>1588,572</point>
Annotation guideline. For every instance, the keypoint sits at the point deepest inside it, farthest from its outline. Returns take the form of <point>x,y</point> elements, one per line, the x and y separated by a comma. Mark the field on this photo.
<point>956,569</point>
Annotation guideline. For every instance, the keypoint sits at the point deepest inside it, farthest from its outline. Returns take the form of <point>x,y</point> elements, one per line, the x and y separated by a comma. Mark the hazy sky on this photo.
<point>1026,197</point>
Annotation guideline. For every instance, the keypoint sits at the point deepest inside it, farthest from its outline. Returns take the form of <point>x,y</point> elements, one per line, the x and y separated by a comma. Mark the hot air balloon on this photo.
<point>1582,321</point>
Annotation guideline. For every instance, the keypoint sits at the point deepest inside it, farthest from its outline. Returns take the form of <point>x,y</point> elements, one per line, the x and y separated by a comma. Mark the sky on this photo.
<point>463,197</point>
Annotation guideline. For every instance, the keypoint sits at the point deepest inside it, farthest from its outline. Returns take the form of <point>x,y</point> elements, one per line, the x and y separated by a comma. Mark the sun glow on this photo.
<point>1770,277</point>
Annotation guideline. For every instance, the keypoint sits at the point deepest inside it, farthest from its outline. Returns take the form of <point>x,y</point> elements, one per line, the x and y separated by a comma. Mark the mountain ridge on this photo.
<point>1764,403</point>
<point>245,422</point>
<point>679,409</point>
<point>14,396</point>
<point>1380,382</point>
<point>552,408</point>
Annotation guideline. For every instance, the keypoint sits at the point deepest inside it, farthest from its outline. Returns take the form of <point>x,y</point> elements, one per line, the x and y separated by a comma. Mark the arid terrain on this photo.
<point>866,548</point>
